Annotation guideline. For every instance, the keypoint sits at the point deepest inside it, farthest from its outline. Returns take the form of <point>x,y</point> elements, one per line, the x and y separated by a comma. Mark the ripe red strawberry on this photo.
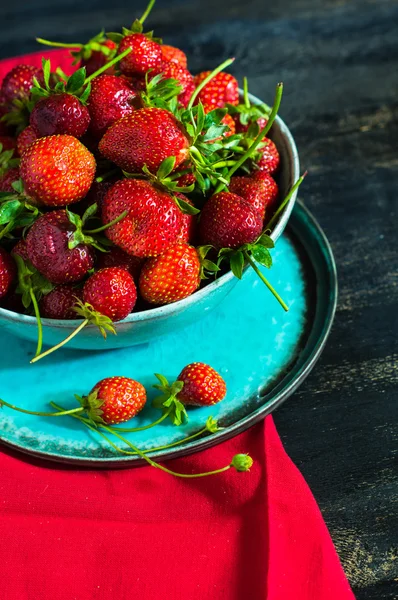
<point>60,114</point>
<point>228,221</point>
<point>146,137</point>
<point>111,292</point>
<point>229,122</point>
<point>152,224</point>
<point>270,186</point>
<point>146,54</point>
<point>25,139</point>
<point>220,90</point>
<point>21,249</point>
<point>111,98</point>
<point>240,128</point>
<point>175,55</point>
<point>57,170</point>
<point>8,272</point>
<point>270,159</point>
<point>97,59</point>
<point>171,276</point>
<point>48,251</point>
<point>115,400</point>
<point>203,386</point>
<point>186,180</point>
<point>260,194</point>
<point>173,70</point>
<point>19,81</point>
<point>116,257</point>
<point>59,303</point>
<point>8,178</point>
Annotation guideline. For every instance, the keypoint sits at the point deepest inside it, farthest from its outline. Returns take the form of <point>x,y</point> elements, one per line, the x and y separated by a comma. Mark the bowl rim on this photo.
<point>180,305</point>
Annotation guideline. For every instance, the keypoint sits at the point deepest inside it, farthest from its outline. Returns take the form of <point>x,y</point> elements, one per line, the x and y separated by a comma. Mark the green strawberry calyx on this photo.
<point>136,27</point>
<point>207,267</point>
<point>7,160</point>
<point>84,51</point>
<point>90,237</point>
<point>16,210</point>
<point>168,400</point>
<point>248,112</point>
<point>92,406</point>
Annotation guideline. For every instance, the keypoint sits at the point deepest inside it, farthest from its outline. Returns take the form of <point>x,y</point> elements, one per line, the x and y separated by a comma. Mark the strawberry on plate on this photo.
<point>114,400</point>
<point>203,386</point>
<point>145,54</point>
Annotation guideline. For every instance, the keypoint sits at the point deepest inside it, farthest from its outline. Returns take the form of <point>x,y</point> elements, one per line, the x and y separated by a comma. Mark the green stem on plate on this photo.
<point>62,413</point>
<point>39,323</point>
<point>65,341</point>
<point>264,280</point>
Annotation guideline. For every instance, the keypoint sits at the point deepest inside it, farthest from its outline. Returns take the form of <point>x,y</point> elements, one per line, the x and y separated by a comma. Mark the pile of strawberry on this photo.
<point>129,183</point>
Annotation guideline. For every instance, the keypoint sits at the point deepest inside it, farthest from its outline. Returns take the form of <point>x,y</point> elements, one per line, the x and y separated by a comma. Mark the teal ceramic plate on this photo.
<point>263,353</point>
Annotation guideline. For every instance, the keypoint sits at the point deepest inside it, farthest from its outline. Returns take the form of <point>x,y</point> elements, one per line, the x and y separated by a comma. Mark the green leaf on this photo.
<point>86,93</point>
<point>200,118</point>
<point>46,64</point>
<point>262,255</point>
<point>163,381</point>
<point>214,117</point>
<point>9,211</point>
<point>90,212</point>
<point>115,37</point>
<point>18,186</point>
<point>74,219</point>
<point>76,80</point>
<point>208,265</point>
<point>166,167</point>
<point>185,207</point>
<point>237,263</point>
<point>266,241</point>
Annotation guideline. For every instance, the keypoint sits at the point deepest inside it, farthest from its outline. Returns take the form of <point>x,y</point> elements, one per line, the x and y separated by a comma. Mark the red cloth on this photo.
<point>69,534</point>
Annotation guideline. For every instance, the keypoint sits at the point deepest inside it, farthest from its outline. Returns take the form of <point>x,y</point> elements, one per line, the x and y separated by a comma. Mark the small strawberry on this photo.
<point>260,194</point>
<point>18,82</point>
<point>219,91</point>
<point>270,159</point>
<point>229,122</point>
<point>111,98</point>
<point>59,303</point>
<point>111,292</point>
<point>21,250</point>
<point>93,59</point>
<point>229,221</point>
<point>25,139</point>
<point>145,54</point>
<point>145,138</point>
<point>171,276</point>
<point>152,224</point>
<point>243,128</point>
<point>8,272</point>
<point>59,114</point>
<point>116,257</point>
<point>57,170</point>
<point>198,384</point>
<point>270,186</point>
<point>173,70</point>
<point>175,55</point>
<point>53,251</point>
<point>114,400</point>
<point>9,177</point>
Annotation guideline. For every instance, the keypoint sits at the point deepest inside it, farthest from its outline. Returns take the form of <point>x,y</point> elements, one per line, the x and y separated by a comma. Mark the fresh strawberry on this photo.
<point>229,122</point>
<point>21,249</point>
<point>175,55</point>
<point>48,249</point>
<point>243,128</point>
<point>25,139</point>
<point>59,303</point>
<point>270,159</point>
<point>153,222</point>
<point>8,272</point>
<point>8,178</point>
<point>57,170</point>
<point>145,54</point>
<point>186,180</point>
<point>229,221</point>
<point>116,257</point>
<point>189,222</point>
<point>219,91</point>
<point>270,187</point>
<point>18,82</point>
<point>7,142</point>
<point>260,194</point>
<point>145,138</point>
<point>60,114</point>
<point>115,400</point>
<point>111,98</point>
<point>171,276</point>
<point>95,59</point>
<point>203,386</point>
<point>173,70</point>
<point>111,292</point>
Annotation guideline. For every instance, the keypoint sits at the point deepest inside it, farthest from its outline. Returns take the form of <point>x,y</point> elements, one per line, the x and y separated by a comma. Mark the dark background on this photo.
<point>338,60</point>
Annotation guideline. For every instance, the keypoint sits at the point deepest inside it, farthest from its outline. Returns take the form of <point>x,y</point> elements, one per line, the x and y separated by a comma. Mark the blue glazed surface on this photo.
<point>249,339</point>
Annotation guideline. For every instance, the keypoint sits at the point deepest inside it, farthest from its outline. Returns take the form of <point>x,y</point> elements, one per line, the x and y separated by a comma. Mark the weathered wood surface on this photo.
<point>339,62</point>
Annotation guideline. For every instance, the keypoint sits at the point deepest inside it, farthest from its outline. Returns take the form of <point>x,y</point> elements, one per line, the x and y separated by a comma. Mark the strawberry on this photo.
<point>270,186</point>
<point>229,221</point>
<point>111,98</point>
<point>243,128</point>
<point>111,292</point>
<point>229,122</point>
<point>270,159</point>
<point>60,114</point>
<point>171,276</point>
<point>219,91</point>
<point>114,400</point>
<point>57,170</point>
<point>173,70</point>
<point>8,178</point>
<point>175,55</point>
<point>47,244</point>
<point>59,303</point>
<point>152,224</point>
<point>145,54</point>
<point>8,272</point>
<point>25,139</point>
<point>116,257</point>
<point>188,229</point>
<point>203,386</point>
<point>260,194</point>
<point>93,60</point>
<point>18,82</point>
<point>145,138</point>
<point>21,249</point>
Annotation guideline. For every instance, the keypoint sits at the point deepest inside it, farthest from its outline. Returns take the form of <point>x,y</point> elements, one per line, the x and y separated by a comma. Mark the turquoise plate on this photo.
<point>263,353</point>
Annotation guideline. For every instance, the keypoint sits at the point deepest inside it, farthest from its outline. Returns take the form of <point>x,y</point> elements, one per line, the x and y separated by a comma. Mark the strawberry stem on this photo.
<point>292,190</point>
<point>200,87</point>
<point>65,341</point>
<point>144,427</point>
<point>58,44</point>
<point>147,11</point>
<point>257,140</point>
<point>107,66</point>
<point>246,93</point>
<point>39,323</point>
<point>264,280</point>
<point>72,411</point>
<point>103,227</point>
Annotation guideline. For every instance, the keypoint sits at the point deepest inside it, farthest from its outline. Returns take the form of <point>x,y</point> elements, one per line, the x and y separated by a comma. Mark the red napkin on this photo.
<point>69,534</point>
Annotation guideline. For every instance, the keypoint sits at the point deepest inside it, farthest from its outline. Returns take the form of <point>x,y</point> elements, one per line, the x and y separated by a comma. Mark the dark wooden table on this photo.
<point>339,62</point>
